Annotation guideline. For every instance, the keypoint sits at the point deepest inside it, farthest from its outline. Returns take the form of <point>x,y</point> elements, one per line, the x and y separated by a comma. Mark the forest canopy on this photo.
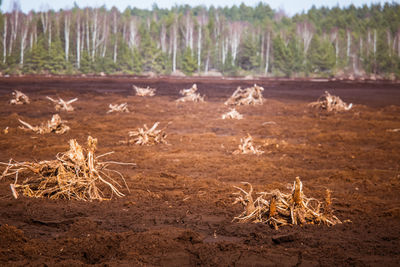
<point>237,40</point>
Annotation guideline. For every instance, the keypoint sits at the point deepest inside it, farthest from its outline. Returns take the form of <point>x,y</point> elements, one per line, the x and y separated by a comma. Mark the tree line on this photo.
<point>237,40</point>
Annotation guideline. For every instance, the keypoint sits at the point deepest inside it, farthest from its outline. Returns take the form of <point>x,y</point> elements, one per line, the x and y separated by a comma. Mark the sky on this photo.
<point>291,7</point>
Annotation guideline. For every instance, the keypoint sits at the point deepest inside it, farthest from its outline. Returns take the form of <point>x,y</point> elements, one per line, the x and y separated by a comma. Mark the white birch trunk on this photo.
<point>267,52</point>
<point>348,44</point>
<point>175,45</point>
<point>5,40</point>
<point>199,41</point>
<point>78,43</point>
<point>67,24</point>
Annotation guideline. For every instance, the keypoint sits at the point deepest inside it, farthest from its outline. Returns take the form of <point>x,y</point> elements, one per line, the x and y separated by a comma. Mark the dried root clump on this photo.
<point>144,91</point>
<point>60,104</point>
<point>232,114</point>
<point>55,125</point>
<point>247,147</point>
<point>19,98</point>
<point>75,174</point>
<point>146,136</point>
<point>190,95</point>
<point>118,108</point>
<point>330,103</point>
<point>248,96</point>
<point>278,209</point>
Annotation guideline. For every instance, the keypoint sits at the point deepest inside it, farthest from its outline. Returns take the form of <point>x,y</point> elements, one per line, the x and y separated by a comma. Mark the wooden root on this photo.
<point>140,91</point>
<point>247,147</point>
<point>146,136</point>
<point>249,96</point>
<point>232,114</point>
<point>278,209</point>
<point>60,104</point>
<point>330,103</point>
<point>118,108</point>
<point>190,95</point>
<point>19,98</point>
<point>55,125</point>
<point>75,174</point>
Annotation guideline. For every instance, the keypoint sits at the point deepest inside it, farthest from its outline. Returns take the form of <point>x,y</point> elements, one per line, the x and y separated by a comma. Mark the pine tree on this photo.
<point>282,56</point>
<point>189,62</point>
<point>321,55</point>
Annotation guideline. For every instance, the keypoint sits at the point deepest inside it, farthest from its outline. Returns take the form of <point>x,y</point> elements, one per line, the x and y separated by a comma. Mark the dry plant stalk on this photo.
<point>146,136</point>
<point>140,91</point>
<point>330,103</point>
<point>247,147</point>
<point>75,174</point>
<point>249,96</point>
<point>278,209</point>
<point>55,125</point>
<point>232,114</point>
<point>19,98</point>
<point>118,108</point>
<point>62,105</point>
<point>190,95</point>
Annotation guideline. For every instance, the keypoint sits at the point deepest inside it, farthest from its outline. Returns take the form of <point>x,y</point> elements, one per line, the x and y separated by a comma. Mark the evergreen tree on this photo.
<point>249,58</point>
<point>35,58</point>
<point>282,56</point>
<point>321,55</point>
<point>189,62</point>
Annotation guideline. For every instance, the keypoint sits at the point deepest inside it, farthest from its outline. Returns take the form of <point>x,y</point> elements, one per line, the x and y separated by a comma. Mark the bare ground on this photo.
<point>179,209</point>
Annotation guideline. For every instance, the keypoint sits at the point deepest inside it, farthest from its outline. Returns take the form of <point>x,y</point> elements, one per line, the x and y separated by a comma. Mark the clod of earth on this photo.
<point>146,136</point>
<point>55,125</point>
<point>247,147</point>
<point>190,95</point>
<point>75,174</point>
<point>140,91</point>
<point>330,103</point>
<point>278,209</point>
<point>62,105</point>
<point>249,96</point>
<point>232,114</point>
<point>19,98</point>
<point>118,108</point>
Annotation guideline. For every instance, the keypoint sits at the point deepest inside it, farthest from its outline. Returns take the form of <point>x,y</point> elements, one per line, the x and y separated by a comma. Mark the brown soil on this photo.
<point>179,209</point>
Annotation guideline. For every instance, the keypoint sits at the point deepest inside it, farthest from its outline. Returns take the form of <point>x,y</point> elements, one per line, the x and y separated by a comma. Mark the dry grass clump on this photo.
<point>140,91</point>
<point>75,174</point>
<point>146,136</point>
<point>248,96</point>
<point>55,125</point>
<point>232,114</point>
<point>60,104</point>
<point>330,103</point>
<point>190,95</point>
<point>247,147</point>
<point>278,209</point>
<point>19,98</point>
<point>118,108</point>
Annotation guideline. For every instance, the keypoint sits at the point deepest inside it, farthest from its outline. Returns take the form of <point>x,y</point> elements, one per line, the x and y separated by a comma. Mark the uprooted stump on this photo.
<point>278,209</point>
<point>60,104</point>
<point>190,95</point>
<point>248,96</point>
<point>146,136</point>
<point>140,91</point>
<point>75,174</point>
<point>55,125</point>
<point>330,103</point>
<point>247,147</point>
<point>232,114</point>
<point>118,108</point>
<point>19,98</point>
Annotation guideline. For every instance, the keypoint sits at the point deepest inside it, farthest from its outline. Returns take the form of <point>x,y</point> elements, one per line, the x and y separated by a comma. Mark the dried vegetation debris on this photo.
<point>248,96</point>
<point>75,174</point>
<point>279,209</point>
<point>190,95</point>
<point>141,91</point>
<point>247,147</point>
<point>62,105</point>
<point>147,136</point>
<point>232,114</point>
<point>330,103</point>
<point>55,125</point>
<point>19,98</point>
<point>118,108</point>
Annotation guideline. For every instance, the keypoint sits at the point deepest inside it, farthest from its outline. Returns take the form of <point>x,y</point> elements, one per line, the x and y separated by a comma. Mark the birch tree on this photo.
<point>67,27</point>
